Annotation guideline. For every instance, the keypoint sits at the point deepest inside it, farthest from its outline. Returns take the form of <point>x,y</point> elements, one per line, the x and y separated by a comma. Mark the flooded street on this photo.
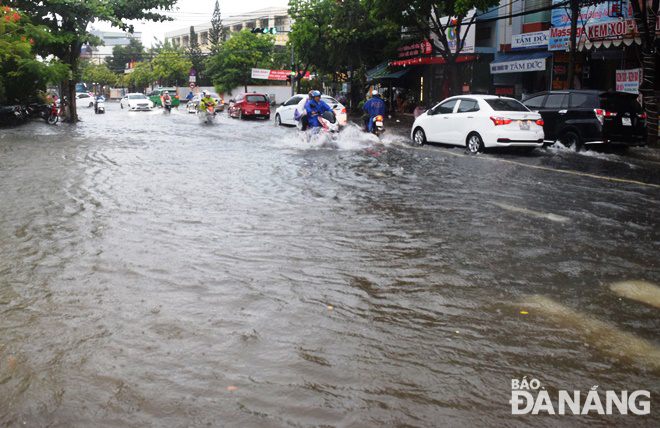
<point>155,272</point>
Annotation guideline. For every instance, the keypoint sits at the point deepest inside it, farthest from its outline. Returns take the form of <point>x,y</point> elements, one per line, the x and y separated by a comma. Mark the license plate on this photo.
<point>524,125</point>
<point>257,112</point>
<point>379,123</point>
<point>625,121</point>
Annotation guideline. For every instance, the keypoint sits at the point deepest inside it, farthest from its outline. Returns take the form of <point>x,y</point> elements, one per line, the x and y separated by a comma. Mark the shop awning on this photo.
<point>383,71</point>
<point>519,62</point>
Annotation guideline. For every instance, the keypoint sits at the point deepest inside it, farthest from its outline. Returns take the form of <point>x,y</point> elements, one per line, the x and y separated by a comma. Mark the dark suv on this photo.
<point>578,117</point>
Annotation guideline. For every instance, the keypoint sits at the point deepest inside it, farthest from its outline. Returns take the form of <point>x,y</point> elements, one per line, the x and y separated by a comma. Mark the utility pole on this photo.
<point>574,40</point>
<point>294,73</point>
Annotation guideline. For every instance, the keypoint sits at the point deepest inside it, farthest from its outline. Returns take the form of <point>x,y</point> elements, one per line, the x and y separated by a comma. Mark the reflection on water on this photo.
<point>155,271</point>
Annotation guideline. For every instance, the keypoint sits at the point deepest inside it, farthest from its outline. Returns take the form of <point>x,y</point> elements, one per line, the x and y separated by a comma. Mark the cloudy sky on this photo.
<point>192,12</point>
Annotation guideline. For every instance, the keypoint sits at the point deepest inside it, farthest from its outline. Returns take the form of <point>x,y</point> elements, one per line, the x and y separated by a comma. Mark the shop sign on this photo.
<point>538,39</point>
<point>628,80</point>
<point>422,48</point>
<point>536,64</point>
<point>505,90</point>
<point>467,35</point>
<point>602,20</point>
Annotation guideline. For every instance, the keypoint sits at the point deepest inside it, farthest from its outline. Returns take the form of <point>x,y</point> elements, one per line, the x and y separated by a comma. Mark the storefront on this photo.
<point>526,70</point>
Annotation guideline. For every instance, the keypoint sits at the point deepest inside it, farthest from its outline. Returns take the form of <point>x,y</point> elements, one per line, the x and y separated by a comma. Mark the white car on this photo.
<point>479,121</point>
<point>193,105</point>
<point>284,113</point>
<point>84,99</point>
<point>136,102</point>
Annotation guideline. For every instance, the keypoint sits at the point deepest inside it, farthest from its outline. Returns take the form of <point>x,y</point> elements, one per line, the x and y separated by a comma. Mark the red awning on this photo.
<point>431,60</point>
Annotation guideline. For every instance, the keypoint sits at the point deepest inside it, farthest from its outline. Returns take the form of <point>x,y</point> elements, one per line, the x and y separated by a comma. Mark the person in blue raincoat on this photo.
<point>374,107</point>
<point>315,108</point>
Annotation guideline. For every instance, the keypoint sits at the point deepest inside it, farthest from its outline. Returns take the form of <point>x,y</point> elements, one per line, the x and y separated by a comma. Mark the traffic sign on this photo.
<point>193,79</point>
<point>192,85</point>
<point>193,72</point>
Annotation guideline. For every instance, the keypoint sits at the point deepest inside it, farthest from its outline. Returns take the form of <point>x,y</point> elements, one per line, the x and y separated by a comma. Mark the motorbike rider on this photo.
<point>301,111</point>
<point>166,97</point>
<point>315,108</point>
<point>374,107</point>
<point>206,101</point>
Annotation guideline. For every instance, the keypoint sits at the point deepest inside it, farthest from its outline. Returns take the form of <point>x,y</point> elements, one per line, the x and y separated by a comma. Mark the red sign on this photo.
<point>192,85</point>
<point>260,73</point>
<point>431,60</point>
<point>422,48</point>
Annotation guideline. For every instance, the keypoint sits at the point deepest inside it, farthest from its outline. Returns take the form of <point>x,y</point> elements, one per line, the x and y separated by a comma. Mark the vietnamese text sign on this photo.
<point>628,80</point>
<point>260,73</point>
<point>538,39</point>
<point>422,48</point>
<point>537,64</point>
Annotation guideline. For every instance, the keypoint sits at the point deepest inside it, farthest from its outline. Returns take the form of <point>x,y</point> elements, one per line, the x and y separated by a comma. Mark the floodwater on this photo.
<point>155,272</point>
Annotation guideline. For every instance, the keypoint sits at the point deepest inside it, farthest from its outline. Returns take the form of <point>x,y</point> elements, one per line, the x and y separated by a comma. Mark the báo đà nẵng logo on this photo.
<point>531,397</point>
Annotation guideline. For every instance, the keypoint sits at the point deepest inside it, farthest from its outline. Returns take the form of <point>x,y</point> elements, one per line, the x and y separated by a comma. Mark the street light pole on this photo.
<point>293,71</point>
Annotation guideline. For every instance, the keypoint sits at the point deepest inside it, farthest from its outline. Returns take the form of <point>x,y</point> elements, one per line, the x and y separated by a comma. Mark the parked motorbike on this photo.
<point>11,115</point>
<point>52,115</point>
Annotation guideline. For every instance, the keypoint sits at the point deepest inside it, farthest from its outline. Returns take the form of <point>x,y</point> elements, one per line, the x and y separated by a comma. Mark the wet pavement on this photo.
<point>159,272</point>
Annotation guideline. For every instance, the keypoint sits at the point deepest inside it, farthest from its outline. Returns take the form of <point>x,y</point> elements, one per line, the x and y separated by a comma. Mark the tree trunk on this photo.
<point>70,91</point>
<point>575,11</point>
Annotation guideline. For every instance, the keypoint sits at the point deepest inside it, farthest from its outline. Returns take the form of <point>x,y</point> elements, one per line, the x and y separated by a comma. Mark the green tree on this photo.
<point>140,77</point>
<point>21,74</point>
<point>339,38</point>
<point>68,20</point>
<point>195,54</point>
<point>232,65</point>
<point>122,55</point>
<point>99,74</point>
<point>217,31</point>
<point>425,16</point>
<point>170,68</point>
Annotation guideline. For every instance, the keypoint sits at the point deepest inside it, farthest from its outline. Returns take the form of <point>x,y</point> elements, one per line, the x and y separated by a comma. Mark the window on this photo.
<point>256,99</point>
<point>506,104</point>
<point>445,108</point>
<point>583,101</point>
<point>293,101</point>
<point>329,100</point>
<point>534,103</point>
<point>280,23</point>
<point>467,106</point>
<point>556,101</point>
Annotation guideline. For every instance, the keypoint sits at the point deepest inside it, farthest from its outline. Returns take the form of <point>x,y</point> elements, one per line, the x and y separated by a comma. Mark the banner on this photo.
<point>260,73</point>
<point>467,35</point>
<point>535,64</point>
<point>607,20</point>
<point>629,80</point>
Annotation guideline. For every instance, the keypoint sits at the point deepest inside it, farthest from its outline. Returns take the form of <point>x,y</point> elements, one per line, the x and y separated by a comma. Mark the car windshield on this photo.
<point>137,97</point>
<point>504,104</point>
<point>214,95</point>
<point>256,99</point>
<point>330,100</point>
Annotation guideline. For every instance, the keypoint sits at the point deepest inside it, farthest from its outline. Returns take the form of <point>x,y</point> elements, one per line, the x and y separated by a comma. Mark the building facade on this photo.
<point>97,54</point>
<point>272,17</point>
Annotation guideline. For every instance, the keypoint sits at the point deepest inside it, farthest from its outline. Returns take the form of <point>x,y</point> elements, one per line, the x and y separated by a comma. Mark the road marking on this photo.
<point>545,168</point>
<point>600,335</point>
<point>548,216</point>
<point>641,291</point>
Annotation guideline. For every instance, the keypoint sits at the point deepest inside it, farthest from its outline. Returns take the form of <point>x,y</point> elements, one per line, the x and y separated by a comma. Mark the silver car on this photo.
<point>193,104</point>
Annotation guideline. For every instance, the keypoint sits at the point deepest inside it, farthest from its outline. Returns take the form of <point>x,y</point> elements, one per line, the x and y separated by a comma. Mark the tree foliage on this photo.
<point>170,67</point>
<point>21,74</point>
<point>99,74</point>
<point>195,53</point>
<point>339,38</point>
<point>140,77</point>
<point>217,30</point>
<point>232,65</point>
<point>122,55</point>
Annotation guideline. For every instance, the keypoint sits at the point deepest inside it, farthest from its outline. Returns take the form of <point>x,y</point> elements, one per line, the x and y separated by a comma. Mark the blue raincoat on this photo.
<point>314,110</point>
<point>374,107</point>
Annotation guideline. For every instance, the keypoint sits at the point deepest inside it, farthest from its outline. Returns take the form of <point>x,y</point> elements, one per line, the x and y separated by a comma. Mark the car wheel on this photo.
<point>121,106</point>
<point>278,120</point>
<point>240,115</point>
<point>474,143</point>
<point>571,139</point>
<point>419,137</point>
<point>268,117</point>
<point>90,105</point>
